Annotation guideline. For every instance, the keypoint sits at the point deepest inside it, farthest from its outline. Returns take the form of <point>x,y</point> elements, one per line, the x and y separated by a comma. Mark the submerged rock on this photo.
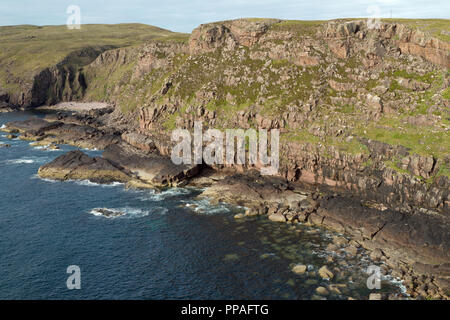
<point>299,269</point>
<point>322,291</point>
<point>325,273</point>
<point>108,213</point>
<point>375,296</point>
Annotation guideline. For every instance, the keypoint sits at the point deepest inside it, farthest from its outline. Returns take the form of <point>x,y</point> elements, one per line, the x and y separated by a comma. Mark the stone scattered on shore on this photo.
<point>131,158</point>
<point>322,291</point>
<point>375,296</point>
<point>32,124</point>
<point>277,217</point>
<point>325,273</point>
<point>371,228</point>
<point>299,269</point>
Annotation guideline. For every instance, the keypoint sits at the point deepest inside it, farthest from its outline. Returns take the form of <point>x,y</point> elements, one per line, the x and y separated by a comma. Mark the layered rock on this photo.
<point>415,249</point>
<point>150,168</point>
<point>77,165</point>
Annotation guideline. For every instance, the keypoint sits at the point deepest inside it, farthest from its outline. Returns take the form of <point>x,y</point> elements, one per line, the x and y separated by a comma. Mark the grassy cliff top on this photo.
<point>439,28</point>
<point>26,49</point>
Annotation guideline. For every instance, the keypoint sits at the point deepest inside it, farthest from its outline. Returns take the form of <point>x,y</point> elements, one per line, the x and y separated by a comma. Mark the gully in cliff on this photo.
<point>235,153</point>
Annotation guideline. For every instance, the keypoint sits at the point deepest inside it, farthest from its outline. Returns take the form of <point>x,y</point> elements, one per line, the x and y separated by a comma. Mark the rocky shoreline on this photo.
<point>414,244</point>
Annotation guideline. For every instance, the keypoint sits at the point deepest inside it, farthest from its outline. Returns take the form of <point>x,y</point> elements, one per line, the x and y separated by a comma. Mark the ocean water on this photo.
<point>168,245</point>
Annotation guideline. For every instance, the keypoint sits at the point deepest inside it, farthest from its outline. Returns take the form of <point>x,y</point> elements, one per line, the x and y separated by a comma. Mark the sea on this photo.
<point>167,244</point>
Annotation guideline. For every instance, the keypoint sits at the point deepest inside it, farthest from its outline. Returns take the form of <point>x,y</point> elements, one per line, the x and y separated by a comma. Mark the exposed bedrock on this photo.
<point>76,165</point>
<point>143,167</point>
<point>415,244</point>
<point>151,168</point>
<point>343,38</point>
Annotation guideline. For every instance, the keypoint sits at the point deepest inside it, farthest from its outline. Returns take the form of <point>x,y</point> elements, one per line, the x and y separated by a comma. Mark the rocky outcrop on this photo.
<point>408,41</point>
<point>415,244</point>
<point>151,168</point>
<point>228,34</point>
<point>139,141</point>
<point>416,42</point>
<point>61,82</point>
<point>77,165</point>
<point>332,89</point>
<point>31,125</point>
<point>365,174</point>
<point>5,106</point>
<point>119,163</point>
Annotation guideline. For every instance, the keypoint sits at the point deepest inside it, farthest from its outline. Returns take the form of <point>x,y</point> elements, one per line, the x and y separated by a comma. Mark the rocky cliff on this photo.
<point>363,113</point>
<point>41,64</point>
<point>359,108</point>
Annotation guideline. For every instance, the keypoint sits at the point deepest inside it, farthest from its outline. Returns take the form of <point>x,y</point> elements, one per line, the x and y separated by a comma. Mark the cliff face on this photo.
<point>363,113</point>
<point>359,108</point>
<point>40,64</point>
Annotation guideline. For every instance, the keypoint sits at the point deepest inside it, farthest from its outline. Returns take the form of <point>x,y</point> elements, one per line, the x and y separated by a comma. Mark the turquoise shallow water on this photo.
<point>160,249</point>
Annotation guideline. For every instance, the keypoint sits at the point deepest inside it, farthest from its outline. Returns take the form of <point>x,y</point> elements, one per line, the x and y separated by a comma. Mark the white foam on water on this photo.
<point>27,160</point>
<point>396,282</point>
<point>19,161</point>
<point>3,126</point>
<point>36,176</point>
<point>45,148</point>
<point>128,212</point>
<point>204,206</point>
<point>95,184</point>
<point>155,195</point>
<point>39,147</point>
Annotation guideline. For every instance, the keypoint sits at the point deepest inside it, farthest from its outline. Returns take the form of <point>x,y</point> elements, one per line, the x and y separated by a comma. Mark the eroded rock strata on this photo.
<point>363,115</point>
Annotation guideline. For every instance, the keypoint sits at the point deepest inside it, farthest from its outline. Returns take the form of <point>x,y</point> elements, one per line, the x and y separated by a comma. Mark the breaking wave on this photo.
<point>156,195</point>
<point>95,184</point>
<point>126,212</point>
<point>27,160</point>
<point>204,206</point>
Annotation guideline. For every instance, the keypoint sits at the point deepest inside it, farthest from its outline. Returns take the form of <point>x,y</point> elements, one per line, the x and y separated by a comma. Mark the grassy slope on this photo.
<point>439,28</point>
<point>25,50</point>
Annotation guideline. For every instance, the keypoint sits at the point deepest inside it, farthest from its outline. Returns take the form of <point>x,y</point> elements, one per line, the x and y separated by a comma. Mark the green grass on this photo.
<point>26,50</point>
<point>423,141</point>
<point>300,136</point>
<point>439,28</point>
<point>346,108</point>
<point>299,27</point>
<point>444,170</point>
<point>446,93</point>
<point>428,77</point>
